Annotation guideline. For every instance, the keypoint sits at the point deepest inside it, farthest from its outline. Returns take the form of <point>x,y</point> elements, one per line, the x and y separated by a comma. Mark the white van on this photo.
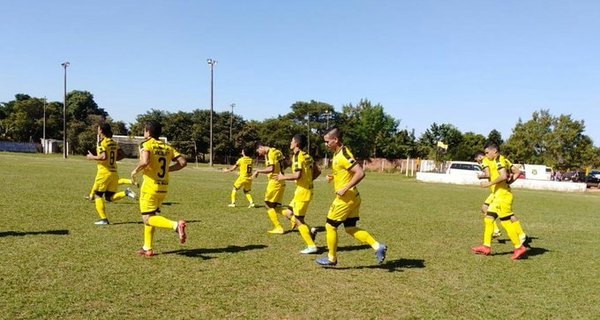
<point>464,168</point>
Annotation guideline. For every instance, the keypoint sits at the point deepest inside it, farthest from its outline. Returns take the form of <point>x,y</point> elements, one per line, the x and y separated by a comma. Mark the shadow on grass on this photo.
<point>202,252</point>
<point>390,265</point>
<point>33,233</point>
<point>141,222</point>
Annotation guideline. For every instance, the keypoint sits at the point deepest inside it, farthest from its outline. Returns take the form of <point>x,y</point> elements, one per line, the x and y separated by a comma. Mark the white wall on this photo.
<point>520,183</point>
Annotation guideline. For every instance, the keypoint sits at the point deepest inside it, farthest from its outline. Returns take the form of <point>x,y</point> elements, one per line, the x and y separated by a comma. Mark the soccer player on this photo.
<point>274,162</point>
<point>107,179</point>
<point>155,163</point>
<point>304,171</point>
<point>513,174</point>
<point>479,157</point>
<point>346,174</point>
<point>501,205</point>
<point>244,180</point>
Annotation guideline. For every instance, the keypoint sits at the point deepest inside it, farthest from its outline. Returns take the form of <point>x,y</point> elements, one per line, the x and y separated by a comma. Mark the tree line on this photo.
<point>556,141</point>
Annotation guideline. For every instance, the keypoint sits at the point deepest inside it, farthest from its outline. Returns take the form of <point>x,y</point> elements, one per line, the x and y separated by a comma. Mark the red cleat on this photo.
<point>181,231</point>
<point>484,250</point>
<point>145,253</point>
<point>519,252</point>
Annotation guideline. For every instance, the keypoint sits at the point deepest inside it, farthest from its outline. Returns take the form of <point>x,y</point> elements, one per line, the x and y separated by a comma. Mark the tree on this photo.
<point>495,137</point>
<point>445,133</point>
<point>368,129</point>
<point>553,141</point>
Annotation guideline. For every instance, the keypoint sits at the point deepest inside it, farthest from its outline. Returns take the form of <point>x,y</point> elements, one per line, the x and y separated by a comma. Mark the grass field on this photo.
<point>56,264</point>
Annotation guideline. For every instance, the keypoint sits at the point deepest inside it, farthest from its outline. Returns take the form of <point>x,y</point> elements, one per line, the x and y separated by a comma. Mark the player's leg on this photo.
<point>299,209</point>
<point>360,234</point>
<point>335,217</point>
<point>247,187</point>
<point>484,209</point>
<point>101,185</point>
<point>273,197</point>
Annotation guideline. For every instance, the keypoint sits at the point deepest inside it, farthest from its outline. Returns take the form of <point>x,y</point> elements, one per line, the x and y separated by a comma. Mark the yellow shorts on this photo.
<point>150,202</point>
<point>345,207</point>
<point>502,204</point>
<point>299,207</point>
<point>244,183</point>
<point>104,183</point>
<point>275,190</point>
<point>489,199</point>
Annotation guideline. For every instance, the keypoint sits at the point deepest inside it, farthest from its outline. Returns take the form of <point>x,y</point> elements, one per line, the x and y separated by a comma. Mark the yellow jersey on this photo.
<point>274,158</point>
<point>342,162</point>
<point>494,168</point>
<point>245,165</point>
<point>156,174</point>
<point>302,161</point>
<point>110,148</point>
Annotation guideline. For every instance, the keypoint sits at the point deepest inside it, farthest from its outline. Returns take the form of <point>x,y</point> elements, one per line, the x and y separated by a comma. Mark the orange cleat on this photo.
<point>484,250</point>
<point>519,252</point>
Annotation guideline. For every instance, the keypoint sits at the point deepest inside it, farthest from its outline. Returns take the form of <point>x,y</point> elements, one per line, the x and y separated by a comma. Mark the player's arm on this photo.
<point>502,177</point>
<point>515,173</point>
<point>100,157</point>
<point>179,164</point>
<point>230,168</point>
<point>142,164</point>
<point>357,175</point>
<point>266,170</point>
<point>294,176</point>
<point>484,174</point>
<point>316,171</point>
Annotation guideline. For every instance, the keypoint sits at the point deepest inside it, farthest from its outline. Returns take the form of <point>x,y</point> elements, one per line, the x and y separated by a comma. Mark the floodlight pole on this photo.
<point>65,65</point>
<point>231,121</point>
<point>211,63</point>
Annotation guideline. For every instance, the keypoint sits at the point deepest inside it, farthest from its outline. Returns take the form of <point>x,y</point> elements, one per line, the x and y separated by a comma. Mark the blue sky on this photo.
<point>479,65</point>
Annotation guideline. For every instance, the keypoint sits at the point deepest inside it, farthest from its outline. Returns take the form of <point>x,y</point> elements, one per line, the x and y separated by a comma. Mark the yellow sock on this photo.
<point>118,196</point>
<point>362,236</point>
<point>510,231</point>
<point>249,197</point>
<point>125,181</point>
<point>273,217</point>
<point>162,222</point>
<point>100,208</point>
<point>148,237</point>
<point>517,226</point>
<point>496,228</point>
<point>332,241</point>
<point>305,234</point>
<point>488,229</point>
<point>232,196</point>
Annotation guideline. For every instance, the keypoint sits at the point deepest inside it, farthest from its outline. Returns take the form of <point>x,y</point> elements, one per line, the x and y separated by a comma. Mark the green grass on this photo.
<point>56,264</point>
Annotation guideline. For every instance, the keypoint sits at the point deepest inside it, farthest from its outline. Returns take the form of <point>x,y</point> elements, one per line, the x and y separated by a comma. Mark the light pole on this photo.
<point>326,128</point>
<point>308,133</point>
<point>231,121</point>
<point>65,65</point>
<point>44,131</point>
<point>211,63</point>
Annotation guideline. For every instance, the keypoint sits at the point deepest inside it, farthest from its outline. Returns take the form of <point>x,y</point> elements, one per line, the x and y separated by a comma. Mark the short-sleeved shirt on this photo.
<point>245,165</point>
<point>156,174</point>
<point>494,167</point>
<point>343,161</point>
<point>303,162</point>
<point>109,165</point>
<point>274,158</point>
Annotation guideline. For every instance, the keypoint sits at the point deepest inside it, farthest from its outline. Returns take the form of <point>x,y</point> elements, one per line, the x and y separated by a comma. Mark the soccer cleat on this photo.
<point>496,234</point>
<point>130,193</point>
<point>145,253</point>
<point>380,253</point>
<point>313,233</point>
<point>231,205</point>
<point>309,250</point>
<point>252,205</point>
<point>518,253</point>
<point>276,231</point>
<point>89,198</point>
<point>325,262</point>
<point>102,222</point>
<point>181,231</point>
<point>484,250</point>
